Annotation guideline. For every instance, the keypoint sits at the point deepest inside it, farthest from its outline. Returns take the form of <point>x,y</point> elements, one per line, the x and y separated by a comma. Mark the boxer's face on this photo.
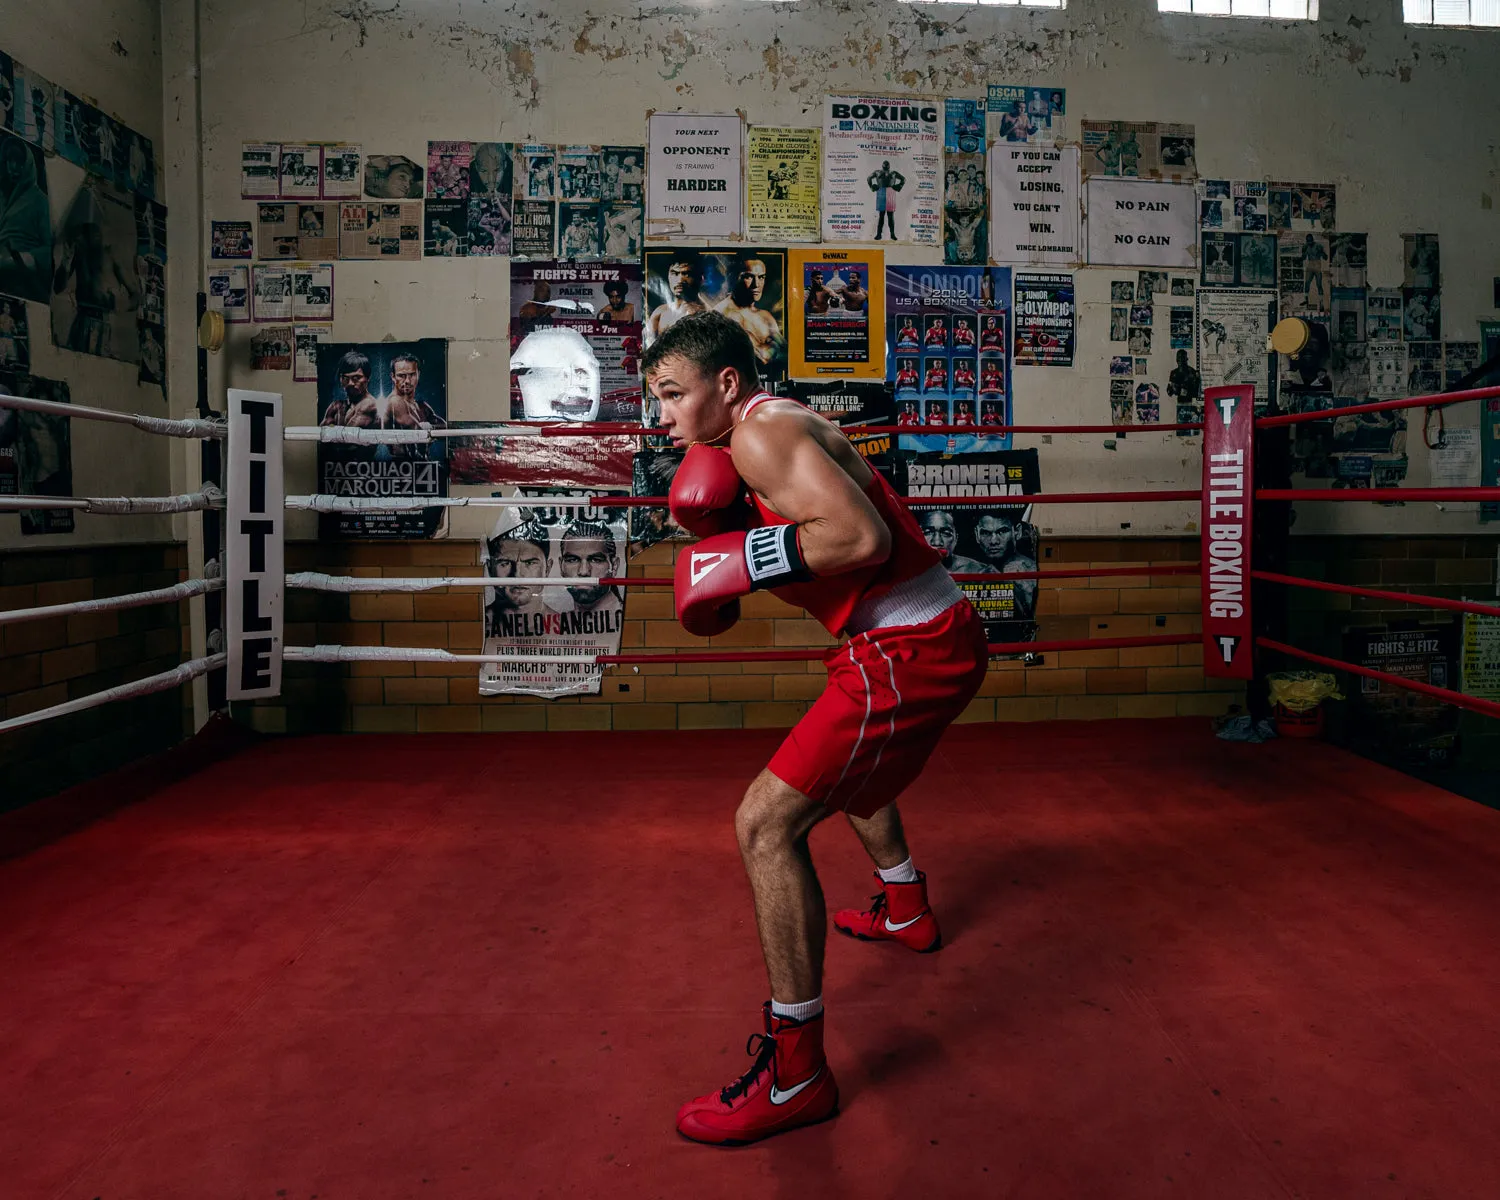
<point>514,560</point>
<point>405,375</point>
<point>937,528</point>
<point>583,558</point>
<point>682,280</point>
<point>996,538</point>
<point>356,384</point>
<point>695,405</point>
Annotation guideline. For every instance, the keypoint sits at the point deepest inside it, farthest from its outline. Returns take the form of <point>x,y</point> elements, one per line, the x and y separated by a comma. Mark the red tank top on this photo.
<point>832,599</point>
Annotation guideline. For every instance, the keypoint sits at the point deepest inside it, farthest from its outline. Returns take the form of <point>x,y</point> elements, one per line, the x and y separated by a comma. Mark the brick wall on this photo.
<point>1148,682</point>
<point>47,662</point>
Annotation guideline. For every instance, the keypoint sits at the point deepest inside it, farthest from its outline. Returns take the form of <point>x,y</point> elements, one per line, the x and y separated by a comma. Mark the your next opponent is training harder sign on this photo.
<point>695,180</point>
<point>255,568</point>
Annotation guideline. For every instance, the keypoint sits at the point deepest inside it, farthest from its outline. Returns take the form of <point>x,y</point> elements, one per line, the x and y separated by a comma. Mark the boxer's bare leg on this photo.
<point>772,825</point>
<point>883,837</point>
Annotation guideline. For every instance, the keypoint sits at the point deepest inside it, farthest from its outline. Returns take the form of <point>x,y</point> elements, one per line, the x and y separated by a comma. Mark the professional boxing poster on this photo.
<point>1045,318</point>
<point>1024,114</point>
<point>26,227</point>
<point>36,452</point>
<point>836,323</point>
<point>948,353</point>
<point>1233,328</point>
<point>747,285</point>
<point>966,237</point>
<point>575,341</point>
<point>554,621</point>
<point>383,385</point>
<point>881,158</point>
<point>652,472</point>
<point>980,539</point>
<point>15,337</point>
<point>781,184</point>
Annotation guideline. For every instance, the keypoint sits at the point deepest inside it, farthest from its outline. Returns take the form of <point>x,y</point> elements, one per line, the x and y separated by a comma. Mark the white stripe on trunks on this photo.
<point>890,731</point>
<point>869,700</point>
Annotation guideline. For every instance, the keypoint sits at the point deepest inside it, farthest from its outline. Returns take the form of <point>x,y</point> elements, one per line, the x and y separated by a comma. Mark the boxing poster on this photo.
<point>1138,150</point>
<point>1045,316</point>
<point>554,621</point>
<point>1026,114</point>
<point>575,341</point>
<point>1390,720</point>
<point>695,178</point>
<point>747,285</point>
<point>1150,357</point>
<point>260,170</point>
<point>392,230</point>
<point>948,353</point>
<point>782,173</point>
<point>342,177</point>
<point>849,406</point>
<point>965,199</point>
<point>34,116</point>
<point>837,321</point>
<point>980,539</point>
<point>881,158</point>
<point>383,385</point>
<point>36,452</point>
<point>15,337</point>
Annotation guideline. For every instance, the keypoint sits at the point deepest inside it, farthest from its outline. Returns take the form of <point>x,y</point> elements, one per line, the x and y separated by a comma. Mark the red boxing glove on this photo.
<point>708,495</point>
<point>713,575</point>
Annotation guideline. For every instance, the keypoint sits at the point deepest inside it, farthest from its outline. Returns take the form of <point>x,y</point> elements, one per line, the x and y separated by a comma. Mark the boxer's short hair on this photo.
<point>708,340</point>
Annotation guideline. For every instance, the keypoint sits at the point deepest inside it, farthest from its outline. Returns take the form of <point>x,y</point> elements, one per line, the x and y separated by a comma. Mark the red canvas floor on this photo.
<point>492,966</point>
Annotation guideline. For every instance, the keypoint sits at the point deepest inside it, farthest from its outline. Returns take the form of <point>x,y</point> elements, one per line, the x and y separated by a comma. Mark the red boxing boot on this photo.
<point>898,914</point>
<point>788,1085</point>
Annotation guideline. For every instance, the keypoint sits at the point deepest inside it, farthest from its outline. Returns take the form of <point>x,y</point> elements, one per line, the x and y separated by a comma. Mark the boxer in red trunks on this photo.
<point>782,501</point>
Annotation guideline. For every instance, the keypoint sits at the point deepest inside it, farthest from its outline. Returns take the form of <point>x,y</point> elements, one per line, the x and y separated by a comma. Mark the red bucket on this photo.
<point>1298,725</point>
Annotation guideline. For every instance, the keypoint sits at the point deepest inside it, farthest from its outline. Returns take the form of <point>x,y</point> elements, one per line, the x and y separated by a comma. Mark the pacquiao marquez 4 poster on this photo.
<point>747,285</point>
<point>383,385</point>
<point>948,353</point>
<point>552,621</point>
<point>980,539</point>
<point>575,341</point>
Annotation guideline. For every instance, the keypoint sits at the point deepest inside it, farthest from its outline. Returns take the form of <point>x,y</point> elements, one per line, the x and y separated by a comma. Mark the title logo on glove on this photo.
<point>702,564</point>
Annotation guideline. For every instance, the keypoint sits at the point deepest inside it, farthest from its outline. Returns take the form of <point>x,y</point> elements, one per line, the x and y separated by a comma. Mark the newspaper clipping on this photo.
<point>837,320</point>
<point>390,230</point>
<point>1138,150</point>
<point>781,182</point>
<point>694,180</point>
<point>948,353</point>
<point>981,539</point>
<point>1233,327</point>
<point>229,293</point>
<point>286,231</point>
<point>36,453</point>
<point>383,385</point>
<point>880,169</point>
<point>1044,316</point>
<point>575,336</point>
<point>558,621</point>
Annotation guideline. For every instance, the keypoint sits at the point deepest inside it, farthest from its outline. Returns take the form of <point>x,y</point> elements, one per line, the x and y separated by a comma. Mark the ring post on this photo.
<point>255,574</point>
<point>1228,498</point>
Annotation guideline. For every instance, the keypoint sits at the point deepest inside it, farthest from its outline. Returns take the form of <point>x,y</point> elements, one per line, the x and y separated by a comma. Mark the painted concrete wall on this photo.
<point>1402,121</point>
<point>109,52</point>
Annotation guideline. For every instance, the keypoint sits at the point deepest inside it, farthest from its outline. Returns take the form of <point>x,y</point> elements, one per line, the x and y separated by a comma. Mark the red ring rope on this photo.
<point>1376,495</point>
<point>997,577</point>
<point>713,656</point>
<point>1013,501</point>
<point>621,428</point>
<point>1348,589</point>
<point>1488,707</point>
<point>1329,414</point>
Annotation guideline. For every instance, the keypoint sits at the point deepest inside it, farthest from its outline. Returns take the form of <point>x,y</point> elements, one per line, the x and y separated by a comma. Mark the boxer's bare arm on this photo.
<point>806,471</point>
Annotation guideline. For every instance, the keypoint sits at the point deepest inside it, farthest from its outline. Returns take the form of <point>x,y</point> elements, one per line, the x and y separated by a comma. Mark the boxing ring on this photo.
<point>493,964</point>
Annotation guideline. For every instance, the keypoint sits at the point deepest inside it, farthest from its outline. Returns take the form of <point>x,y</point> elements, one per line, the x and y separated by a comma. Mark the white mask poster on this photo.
<point>1135,223</point>
<point>1034,205</point>
<point>695,178</point>
<point>881,158</point>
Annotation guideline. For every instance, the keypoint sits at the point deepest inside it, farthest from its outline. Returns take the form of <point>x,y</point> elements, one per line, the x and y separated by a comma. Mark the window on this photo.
<point>1275,10</point>
<point>998,3</point>
<point>1452,12</point>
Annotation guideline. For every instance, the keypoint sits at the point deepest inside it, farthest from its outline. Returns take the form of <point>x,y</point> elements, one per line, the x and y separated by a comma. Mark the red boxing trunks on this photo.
<point>891,692</point>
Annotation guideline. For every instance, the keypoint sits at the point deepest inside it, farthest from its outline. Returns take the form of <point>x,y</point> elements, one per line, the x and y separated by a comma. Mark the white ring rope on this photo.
<point>117,506</point>
<point>180,674</point>
<point>393,437</point>
<point>316,581</point>
<point>324,503</point>
<point>337,654</point>
<point>162,425</point>
<point>178,591</point>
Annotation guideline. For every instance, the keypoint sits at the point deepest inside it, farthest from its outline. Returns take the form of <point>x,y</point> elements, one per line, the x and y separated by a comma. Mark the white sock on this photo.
<point>805,1011</point>
<point>901,873</point>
